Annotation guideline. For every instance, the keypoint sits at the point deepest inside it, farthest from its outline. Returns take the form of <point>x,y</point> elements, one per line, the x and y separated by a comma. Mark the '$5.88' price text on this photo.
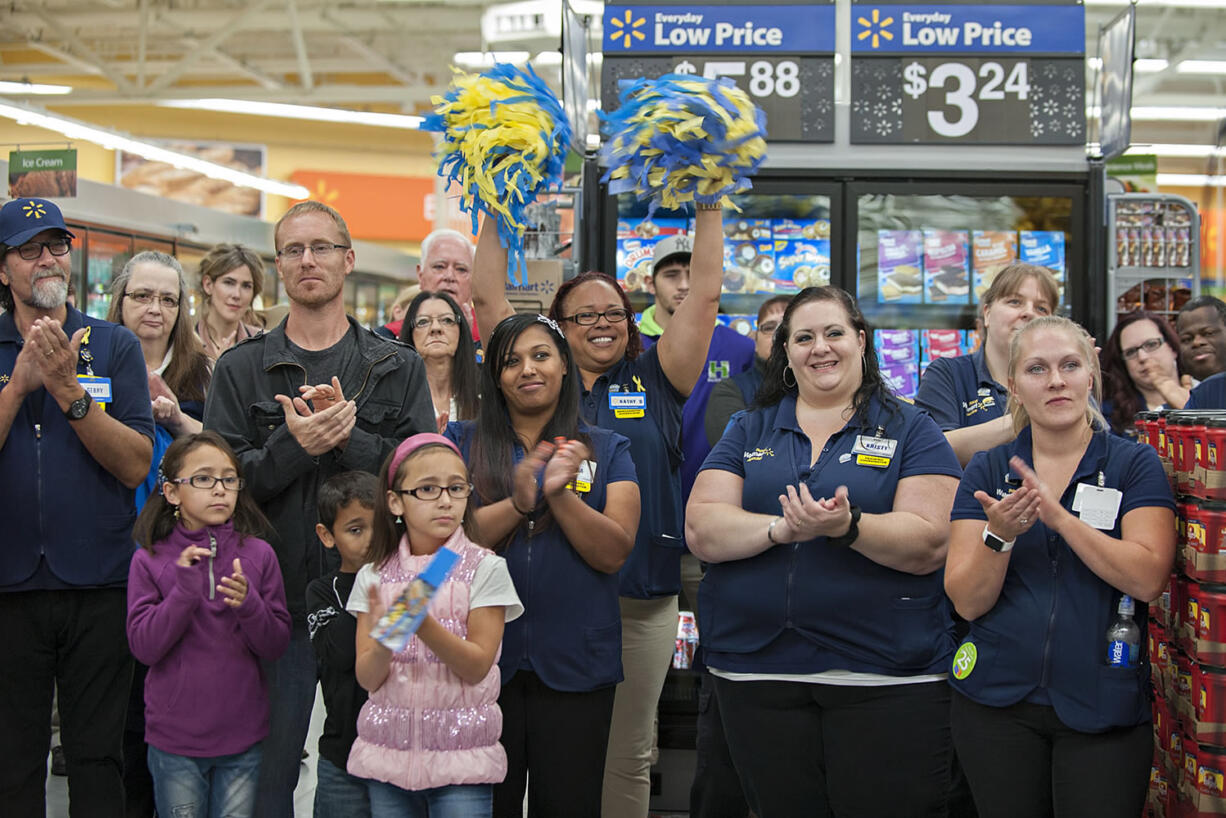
<point>964,89</point>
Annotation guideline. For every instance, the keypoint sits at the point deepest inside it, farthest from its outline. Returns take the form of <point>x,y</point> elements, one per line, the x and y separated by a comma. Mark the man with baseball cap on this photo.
<point>76,437</point>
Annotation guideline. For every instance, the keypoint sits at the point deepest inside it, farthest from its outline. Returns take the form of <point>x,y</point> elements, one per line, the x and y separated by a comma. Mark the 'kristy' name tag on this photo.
<point>875,446</point>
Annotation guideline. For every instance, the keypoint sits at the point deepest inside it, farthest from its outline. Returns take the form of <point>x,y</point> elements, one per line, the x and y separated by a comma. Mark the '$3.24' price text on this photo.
<point>964,89</point>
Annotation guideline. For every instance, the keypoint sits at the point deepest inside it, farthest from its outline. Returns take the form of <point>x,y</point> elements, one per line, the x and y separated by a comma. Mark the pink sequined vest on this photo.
<point>425,727</point>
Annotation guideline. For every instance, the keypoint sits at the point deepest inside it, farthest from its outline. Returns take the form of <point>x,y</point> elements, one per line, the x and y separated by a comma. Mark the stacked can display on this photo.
<point>1187,627</point>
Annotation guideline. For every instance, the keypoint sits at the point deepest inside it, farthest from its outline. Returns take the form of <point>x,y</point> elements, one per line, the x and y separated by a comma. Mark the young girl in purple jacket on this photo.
<point>205,605</point>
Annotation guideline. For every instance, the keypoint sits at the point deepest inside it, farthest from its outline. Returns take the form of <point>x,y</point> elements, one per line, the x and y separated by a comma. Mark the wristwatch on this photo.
<point>79,408</point>
<point>996,543</point>
<point>853,531</point>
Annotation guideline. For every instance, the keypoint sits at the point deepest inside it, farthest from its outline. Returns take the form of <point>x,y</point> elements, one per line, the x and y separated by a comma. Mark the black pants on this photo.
<point>716,790</point>
<point>1022,761</point>
<point>824,750</point>
<point>557,741</point>
<point>74,640</point>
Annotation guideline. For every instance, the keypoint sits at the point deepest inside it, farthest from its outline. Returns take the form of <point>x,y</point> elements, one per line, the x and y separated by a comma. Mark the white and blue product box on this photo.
<point>897,346</point>
<point>742,324</point>
<point>947,267</point>
<point>900,266</point>
<point>1044,248</point>
<point>636,241</point>
<point>901,379</point>
<point>801,263</point>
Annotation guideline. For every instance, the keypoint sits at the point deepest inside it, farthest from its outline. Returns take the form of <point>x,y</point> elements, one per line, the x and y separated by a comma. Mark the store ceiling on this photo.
<point>391,55</point>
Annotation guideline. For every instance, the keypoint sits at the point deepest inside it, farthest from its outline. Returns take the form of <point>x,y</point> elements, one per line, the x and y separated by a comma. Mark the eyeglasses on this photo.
<point>769,327</point>
<point>208,481</point>
<point>33,249</point>
<point>444,321</point>
<point>586,319</point>
<point>320,249</point>
<point>1151,346</point>
<point>147,297</point>
<point>456,491</point>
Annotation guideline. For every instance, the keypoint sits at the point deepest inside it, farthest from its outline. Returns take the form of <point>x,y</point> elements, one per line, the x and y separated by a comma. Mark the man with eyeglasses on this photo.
<point>76,437</point>
<point>447,266</point>
<point>315,396</point>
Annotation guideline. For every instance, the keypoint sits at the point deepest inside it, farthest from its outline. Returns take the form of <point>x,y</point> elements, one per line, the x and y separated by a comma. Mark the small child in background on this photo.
<point>203,631</point>
<point>428,735</point>
<point>346,512</point>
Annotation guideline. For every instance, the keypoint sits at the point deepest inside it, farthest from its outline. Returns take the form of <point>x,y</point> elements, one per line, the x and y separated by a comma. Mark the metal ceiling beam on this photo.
<point>267,80</point>
<point>386,64</point>
<point>62,55</point>
<point>304,64</point>
<point>206,46</point>
<point>82,50</point>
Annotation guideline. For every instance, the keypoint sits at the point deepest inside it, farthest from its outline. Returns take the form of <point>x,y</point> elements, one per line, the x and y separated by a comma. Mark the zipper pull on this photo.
<point>38,431</point>
<point>212,554</point>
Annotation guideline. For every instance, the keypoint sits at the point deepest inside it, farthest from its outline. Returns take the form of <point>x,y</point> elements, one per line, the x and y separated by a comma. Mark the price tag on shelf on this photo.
<point>795,92</point>
<point>954,97</point>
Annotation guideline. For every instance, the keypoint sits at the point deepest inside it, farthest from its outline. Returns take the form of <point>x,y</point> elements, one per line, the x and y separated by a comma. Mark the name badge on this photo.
<point>585,477</point>
<point>1098,507</point>
<point>628,404</point>
<point>872,460</point>
<point>882,447</point>
<point>98,388</point>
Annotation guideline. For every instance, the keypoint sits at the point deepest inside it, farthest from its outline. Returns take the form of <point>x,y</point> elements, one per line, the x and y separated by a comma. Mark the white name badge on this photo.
<point>1097,506</point>
<point>876,446</point>
<point>585,477</point>
<point>98,388</point>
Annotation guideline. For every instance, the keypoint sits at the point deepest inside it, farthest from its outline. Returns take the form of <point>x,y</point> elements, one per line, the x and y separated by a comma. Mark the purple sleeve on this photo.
<point>263,617</point>
<point>156,623</point>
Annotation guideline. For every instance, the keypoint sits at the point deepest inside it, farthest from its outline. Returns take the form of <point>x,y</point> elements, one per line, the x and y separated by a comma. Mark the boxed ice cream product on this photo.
<point>801,263</point>
<point>1044,248</point>
<point>896,346</point>
<point>636,241</point>
<point>901,379</point>
<point>947,270</point>
<point>991,252</point>
<point>749,266</point>
<point>900,278</point>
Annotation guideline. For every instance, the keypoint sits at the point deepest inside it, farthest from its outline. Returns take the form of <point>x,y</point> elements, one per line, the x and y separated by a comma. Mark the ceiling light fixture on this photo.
<point>1183,4</point>
<point>486,59</point>
<point>1201,67</point>
<point>1190,180</point>
<point>1149,65</point>
<point>1184,114</point>
<point>308,112</point>
<point>33,88</point>
<point>1176,151</point>
<point>113,140</point>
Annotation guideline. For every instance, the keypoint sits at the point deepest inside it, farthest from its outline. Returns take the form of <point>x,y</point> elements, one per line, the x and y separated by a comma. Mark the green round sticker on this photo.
<point>964,660</point>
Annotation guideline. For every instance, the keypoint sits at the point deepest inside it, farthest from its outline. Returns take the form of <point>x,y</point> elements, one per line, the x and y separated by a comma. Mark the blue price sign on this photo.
<point>959,29</point>
<point>758,29</point>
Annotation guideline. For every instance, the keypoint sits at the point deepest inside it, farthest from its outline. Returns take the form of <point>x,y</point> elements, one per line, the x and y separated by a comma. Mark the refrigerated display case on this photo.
<point>1153,254</point>
<point>917,249</point>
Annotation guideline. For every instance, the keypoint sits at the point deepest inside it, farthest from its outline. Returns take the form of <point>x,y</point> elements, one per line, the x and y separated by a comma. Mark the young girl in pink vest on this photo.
<point>428,735</point>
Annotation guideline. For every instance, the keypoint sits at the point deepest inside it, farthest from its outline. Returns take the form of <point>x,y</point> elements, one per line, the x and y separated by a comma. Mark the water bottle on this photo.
<point>1124,637</point>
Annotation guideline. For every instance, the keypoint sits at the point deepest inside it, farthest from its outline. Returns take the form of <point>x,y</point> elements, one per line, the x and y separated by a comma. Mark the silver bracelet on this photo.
<point>770,531</point>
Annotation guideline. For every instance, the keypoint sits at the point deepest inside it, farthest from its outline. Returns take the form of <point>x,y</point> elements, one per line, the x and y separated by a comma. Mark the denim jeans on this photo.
<point>456,801</point>
<point>216,787</point>
<point>339,794</point>
<point>291,694</point>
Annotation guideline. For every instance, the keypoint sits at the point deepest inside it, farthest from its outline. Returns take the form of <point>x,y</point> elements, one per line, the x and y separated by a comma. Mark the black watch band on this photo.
<point>852,532</point>
<point>79,408</point>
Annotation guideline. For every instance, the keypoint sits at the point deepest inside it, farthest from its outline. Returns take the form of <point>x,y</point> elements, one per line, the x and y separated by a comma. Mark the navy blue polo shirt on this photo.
<point>960,392</point>
<point>570,632</point>
<point>1209,393</point>
<point>70,520</point>
<point>1043,640</point>
<point>728,354</point>
<point>636,400</point>
<point>810,607</point>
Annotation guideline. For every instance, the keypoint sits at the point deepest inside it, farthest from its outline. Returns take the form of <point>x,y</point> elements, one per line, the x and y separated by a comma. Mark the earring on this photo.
<point>787,370</point>
<point>398,520</point>
<point>176,512</point>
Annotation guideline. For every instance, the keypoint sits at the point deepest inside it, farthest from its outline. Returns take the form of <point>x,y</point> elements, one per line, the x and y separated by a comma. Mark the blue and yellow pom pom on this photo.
<point>681,138</point>
<point>505,138</point>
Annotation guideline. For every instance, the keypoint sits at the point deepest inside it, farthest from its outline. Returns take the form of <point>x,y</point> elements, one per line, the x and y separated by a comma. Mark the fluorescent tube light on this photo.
<point>308,112</point>
<point>113,140</point>
<point>1179,151</point>
<point>1149,65</point>
<point>1201,67</point>
<point>1184,114</point>
<point>1190,180</point>
<point>486,59</point>
<point>32,88</point>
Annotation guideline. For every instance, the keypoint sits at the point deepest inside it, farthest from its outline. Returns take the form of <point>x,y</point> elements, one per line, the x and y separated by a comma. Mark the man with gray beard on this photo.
<point>76,437</point>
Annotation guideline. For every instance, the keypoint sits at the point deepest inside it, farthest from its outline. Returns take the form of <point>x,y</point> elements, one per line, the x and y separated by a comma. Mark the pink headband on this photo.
<point>412,444</point>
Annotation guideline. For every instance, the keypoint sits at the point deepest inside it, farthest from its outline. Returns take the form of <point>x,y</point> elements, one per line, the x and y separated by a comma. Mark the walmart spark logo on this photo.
<point>34,210</point>
<point>876,28</point>
<point>627,29</point>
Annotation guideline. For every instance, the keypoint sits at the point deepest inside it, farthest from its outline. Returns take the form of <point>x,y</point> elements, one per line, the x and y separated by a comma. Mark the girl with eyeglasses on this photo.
<point>428,735</point>
<point>558,498</point>
<point>206,606</point>
<point>639,395</point>
<point>1141,370</point>
<point>435,326</point>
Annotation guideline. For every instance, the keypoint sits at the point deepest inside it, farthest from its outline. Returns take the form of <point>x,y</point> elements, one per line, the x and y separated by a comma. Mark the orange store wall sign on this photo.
<point>382,208</point>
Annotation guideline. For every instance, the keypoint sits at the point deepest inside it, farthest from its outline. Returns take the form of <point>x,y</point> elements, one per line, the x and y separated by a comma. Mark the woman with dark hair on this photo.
<point>1141,370</point>
<point>232,277</point>
<point>639,395</point>
<point>559,500</point>
<point>435,326</point>
<point>823,513</point>
<point>965,395</point>
<point>1093,521</point>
